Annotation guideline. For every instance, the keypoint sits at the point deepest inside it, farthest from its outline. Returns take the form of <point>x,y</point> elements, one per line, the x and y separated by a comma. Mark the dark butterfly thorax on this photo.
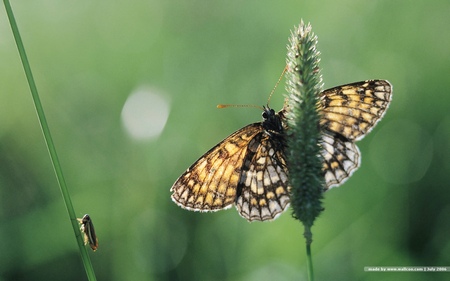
<point>272,122</point>
<point>274,127</point>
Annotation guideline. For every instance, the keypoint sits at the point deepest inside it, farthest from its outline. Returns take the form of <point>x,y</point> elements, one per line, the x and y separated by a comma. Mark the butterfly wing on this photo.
<point>353,110</point>
<point>263,191</point>
<point>210,184</point>
<point>341,158</point>
<point>349,112</point>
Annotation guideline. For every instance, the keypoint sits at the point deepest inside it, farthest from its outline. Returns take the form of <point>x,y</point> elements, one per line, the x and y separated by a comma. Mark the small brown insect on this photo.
<point>87,228</point>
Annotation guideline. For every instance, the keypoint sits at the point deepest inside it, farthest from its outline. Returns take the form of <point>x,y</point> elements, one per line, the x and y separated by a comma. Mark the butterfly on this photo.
<point>87,228</point>
<point>248,168</point>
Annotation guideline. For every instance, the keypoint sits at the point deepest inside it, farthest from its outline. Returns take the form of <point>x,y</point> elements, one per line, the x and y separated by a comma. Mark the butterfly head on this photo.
<point>272,121</point>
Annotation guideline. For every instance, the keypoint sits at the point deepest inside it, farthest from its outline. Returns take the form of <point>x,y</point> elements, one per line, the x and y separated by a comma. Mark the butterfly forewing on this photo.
<point>353,110</point>
<point>210,183</point>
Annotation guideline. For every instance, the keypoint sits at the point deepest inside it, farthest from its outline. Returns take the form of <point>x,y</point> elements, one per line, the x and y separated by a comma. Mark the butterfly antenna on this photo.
<point>276,85</point>
<point>239,105</point>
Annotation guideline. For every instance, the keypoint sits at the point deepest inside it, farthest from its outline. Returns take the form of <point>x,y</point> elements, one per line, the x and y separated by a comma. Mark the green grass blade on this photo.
<point>49,141</point>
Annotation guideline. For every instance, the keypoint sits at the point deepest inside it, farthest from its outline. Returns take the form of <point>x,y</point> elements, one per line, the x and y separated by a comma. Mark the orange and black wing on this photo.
<point>348,113</point>
<point>210,184</point>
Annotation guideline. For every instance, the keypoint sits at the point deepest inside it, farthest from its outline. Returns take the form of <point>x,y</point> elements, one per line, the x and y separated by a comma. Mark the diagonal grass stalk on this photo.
<point>49,141</point>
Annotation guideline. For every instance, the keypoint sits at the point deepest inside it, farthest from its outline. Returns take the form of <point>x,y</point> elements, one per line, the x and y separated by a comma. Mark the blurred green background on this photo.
<point>130,92</point>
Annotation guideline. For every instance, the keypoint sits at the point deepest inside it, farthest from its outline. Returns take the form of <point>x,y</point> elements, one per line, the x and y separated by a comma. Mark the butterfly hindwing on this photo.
<point>263,191</point>
<point>340,159</point>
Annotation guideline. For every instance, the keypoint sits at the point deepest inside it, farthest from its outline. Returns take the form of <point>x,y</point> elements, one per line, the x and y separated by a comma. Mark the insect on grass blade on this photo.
<point>87,228</point>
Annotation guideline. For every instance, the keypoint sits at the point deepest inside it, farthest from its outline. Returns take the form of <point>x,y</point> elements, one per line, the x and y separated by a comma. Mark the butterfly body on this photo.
<point>248,168</point>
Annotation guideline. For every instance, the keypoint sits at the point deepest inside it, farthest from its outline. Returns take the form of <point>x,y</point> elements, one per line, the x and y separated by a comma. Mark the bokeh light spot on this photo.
<point>145,113</point>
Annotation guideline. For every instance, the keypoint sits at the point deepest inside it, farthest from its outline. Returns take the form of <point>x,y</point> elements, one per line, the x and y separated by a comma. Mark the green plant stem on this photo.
<point>49,141</point>
<point>309,262</point>
<point>304,84</point>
